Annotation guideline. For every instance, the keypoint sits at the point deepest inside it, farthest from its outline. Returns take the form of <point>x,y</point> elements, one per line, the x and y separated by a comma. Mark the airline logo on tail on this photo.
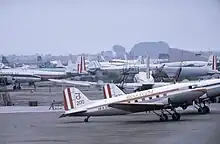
<point>68,101</point>
<point>73,98</point>
<point>81,65</point>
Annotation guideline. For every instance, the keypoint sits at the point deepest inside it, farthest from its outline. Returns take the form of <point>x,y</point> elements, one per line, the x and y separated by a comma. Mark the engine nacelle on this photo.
<point>166,101</point>
<point>6,80</point>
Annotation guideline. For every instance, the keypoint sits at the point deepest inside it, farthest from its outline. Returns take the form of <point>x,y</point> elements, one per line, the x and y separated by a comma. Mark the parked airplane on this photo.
<point>126,61</point>
<point>161,98</point>
<point>17,75</point>
<point>211,59</point>
<point>171,71</point>
<point>213,90</point>
<point>2,66</point>
<point>143,81</point>
<point>93,65</point>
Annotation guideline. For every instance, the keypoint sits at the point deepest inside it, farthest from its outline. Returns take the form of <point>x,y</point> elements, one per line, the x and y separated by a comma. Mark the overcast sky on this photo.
<point>76,26</point>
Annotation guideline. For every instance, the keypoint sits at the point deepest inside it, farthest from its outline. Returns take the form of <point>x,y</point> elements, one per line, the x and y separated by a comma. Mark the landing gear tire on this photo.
<point>184,107</point>
<point>208,109</point>
<point>176,116</point>
<point>14,87</point>
<point>204,110</point>
<point>163,117</point>
<point>86,119</point>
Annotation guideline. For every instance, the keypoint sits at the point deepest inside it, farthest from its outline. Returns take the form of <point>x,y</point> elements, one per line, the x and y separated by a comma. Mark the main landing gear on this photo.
<point>202,109</point>
<point>17,86</point>
<point>86,119</point>
<point>164,117</point>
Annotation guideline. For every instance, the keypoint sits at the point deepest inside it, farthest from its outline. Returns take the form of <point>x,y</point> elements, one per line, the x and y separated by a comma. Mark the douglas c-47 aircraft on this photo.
<point>161,98</point>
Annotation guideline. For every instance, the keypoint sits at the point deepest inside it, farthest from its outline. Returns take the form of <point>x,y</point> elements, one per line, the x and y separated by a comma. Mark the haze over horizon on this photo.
<point>81,26</point>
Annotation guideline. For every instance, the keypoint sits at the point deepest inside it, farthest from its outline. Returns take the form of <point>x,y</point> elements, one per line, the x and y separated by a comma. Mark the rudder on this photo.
<point>74,98</point>
<point>111,90</point>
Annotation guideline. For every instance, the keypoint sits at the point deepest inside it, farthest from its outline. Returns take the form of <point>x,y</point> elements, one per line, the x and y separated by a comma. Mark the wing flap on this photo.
<point>138,107</point>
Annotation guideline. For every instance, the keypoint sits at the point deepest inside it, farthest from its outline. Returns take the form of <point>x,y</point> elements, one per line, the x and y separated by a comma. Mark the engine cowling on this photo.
<point>166,101</point>
<point>6,80</point>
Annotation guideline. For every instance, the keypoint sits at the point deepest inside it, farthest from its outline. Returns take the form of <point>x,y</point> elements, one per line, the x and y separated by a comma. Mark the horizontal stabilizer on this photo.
<point>72,113</point>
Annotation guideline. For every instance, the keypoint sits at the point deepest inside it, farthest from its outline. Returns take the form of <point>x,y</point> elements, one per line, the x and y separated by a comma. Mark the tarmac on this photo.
<point>21,124</point>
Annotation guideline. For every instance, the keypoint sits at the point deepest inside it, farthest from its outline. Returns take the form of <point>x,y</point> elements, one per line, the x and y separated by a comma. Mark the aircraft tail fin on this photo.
<point>147,61</point>
<point>125,57</point>
<point>142,77</point>
<point>145,77</point>
<point>139,60</point>
<point>74,98</point>
<point>111,90</point>
<point>59,64</point>
<point>210,59</point>
<point>102,58</point>
<point>70,66</point>
<point>81,64</point>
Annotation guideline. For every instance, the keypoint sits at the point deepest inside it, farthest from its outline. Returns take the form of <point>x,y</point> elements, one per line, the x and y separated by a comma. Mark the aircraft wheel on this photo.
<point>175,116</point>
<point>86,119</point>
<point>184,107</point>
<point>14,87</point>
<point>206,109</point>
<point>163,117</point>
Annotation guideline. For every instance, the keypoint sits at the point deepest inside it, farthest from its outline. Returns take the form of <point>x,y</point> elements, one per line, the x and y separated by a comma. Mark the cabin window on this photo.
<point>128,101</point>
<point>164,94</point>
<point>150,98</point>
<point>136,101</point>
<point>143,99</point>
<point>157,96</point>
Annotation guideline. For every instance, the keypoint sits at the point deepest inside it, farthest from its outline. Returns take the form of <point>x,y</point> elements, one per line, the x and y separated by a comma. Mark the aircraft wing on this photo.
<point>132,85</point>
<point>156,84</point>
<point>138,107</point>
<point>81,83</point>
